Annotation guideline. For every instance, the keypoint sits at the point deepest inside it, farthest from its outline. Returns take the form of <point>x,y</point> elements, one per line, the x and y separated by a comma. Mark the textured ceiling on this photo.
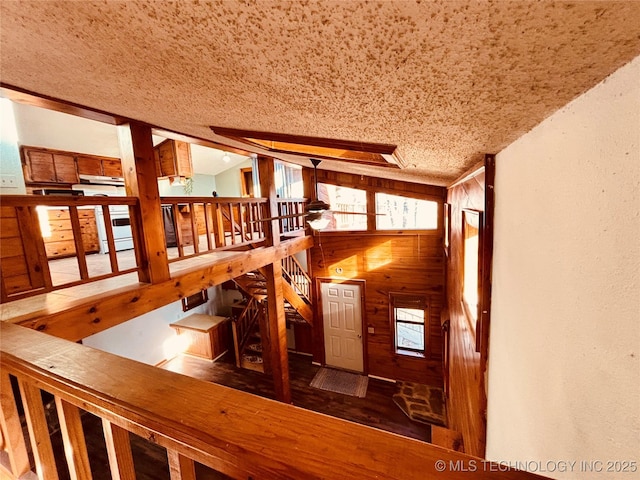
<point>446,81</point>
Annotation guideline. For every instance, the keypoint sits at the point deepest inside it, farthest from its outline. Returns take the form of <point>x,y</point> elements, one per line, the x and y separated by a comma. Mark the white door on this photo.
<point>342,319</point>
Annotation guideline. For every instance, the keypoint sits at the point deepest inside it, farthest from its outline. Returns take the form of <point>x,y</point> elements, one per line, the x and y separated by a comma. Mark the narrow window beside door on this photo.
<point>409,323</point>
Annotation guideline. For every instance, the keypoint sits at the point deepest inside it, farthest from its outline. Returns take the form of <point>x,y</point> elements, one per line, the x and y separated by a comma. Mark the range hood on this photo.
<point>101,180</point>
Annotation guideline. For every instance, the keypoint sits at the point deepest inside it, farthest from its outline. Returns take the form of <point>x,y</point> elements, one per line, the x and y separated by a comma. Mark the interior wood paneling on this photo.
<point>467,398</point>
<point>387,263</point>
<point>21,262</point>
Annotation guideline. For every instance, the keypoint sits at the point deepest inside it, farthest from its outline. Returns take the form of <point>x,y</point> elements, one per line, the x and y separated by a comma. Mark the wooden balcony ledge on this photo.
<point>76,312</point>
<point>236,433</point>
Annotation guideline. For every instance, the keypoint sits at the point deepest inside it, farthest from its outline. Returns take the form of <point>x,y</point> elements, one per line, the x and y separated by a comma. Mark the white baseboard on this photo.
<point>384,379</point>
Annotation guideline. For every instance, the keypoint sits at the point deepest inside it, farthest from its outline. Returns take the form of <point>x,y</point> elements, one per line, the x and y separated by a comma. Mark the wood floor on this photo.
<point>376,410</point>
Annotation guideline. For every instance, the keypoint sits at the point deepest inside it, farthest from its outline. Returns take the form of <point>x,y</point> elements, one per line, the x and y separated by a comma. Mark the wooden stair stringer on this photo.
<point>295,300</point>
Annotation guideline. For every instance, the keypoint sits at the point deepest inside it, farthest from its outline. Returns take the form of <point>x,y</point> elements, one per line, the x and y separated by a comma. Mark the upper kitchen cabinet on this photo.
<point>92,165</point>
<point>173,159</point>
<point>48,166</point>
<point>45,166</point>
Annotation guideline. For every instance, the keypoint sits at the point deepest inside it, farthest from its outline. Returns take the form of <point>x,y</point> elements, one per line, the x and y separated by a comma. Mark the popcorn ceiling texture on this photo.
<point>446,81</point>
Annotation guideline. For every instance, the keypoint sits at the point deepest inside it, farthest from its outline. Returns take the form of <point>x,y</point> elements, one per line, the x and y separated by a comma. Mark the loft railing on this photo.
<point>232,432</point>
<point>297,277</point>
<point>203,224</point>
<point>293,211</point>
<point>36,229</point>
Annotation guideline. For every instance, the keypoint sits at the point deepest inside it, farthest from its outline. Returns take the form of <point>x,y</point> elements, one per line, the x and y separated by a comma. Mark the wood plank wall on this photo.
<point>387,263</point>
<point>21,270</point>
<point>467,397</point>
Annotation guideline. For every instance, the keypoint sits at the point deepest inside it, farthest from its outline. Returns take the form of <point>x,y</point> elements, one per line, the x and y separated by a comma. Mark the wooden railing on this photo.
<point>35,228</point>
<point>293,211</point>
<point>297,277</point>
<point>229,431</point>
<point>243,325</point>
<point>204,224</point>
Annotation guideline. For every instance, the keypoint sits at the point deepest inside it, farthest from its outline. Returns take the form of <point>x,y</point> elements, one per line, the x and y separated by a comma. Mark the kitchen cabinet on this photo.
<point>48,166</point>
<point>43,165</point>
<point>92,165</point>
<point>173,159</point>
<point>58,241</point>
<point>89,165</point>
<point>112,167</point>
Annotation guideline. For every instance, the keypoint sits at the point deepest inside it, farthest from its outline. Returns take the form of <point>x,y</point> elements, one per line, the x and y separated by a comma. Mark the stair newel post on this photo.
<point>236,340</point>
<point>276,320</point>
<point>263,324</point>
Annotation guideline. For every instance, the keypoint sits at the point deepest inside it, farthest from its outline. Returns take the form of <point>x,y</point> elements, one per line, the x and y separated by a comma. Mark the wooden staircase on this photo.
<point>247,337</point>
<point>251,356</point>
<point>249,322</point>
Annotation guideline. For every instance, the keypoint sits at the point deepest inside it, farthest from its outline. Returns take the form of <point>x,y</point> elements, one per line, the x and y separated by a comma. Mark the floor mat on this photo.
<point>421,403</point>
<point>339,381</point>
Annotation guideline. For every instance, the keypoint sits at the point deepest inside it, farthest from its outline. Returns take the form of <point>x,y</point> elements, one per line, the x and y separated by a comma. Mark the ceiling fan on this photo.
<point>317,212</point>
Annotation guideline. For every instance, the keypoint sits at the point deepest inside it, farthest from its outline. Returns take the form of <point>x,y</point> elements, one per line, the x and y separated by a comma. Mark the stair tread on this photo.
<point>252,358</point>
<point>254,347</point>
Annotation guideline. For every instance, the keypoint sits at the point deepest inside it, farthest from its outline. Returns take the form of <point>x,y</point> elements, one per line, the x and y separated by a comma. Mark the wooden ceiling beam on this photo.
<point>375,154</point>
<point>20,95</point>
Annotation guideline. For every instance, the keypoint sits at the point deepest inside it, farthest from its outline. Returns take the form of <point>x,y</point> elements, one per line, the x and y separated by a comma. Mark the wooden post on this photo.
<point>75,445</point>
<point>140,177</point>
<point>118,451</point>
<point>309,192</point>
<point>487,256</point>
<point>11,429</point>
<point>278,356</point>
<point>38,432</point>
<point>180,467</point>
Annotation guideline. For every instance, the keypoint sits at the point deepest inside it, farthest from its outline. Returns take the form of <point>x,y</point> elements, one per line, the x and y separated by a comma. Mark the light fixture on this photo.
<point>226,158</point>
<point>319,220</point>
<point>318,214</point>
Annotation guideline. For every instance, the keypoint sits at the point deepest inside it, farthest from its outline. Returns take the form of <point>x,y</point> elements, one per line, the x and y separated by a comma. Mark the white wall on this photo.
<point>39,127</point>
<point>10,164</point>
<point>203,186</point>
<point>564,361</point>
<point>149,338</point>
<point>228,182</point>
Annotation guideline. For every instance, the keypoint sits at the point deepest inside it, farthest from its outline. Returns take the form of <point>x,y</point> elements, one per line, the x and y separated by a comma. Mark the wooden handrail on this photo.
<point>243,325</point>
<point>226,222</point>
<point>236,433</point>
<point>293,210</point>
<point>27,272</point>
<point>25,216</point>
<point>64,200</point>
<point>298,277</point>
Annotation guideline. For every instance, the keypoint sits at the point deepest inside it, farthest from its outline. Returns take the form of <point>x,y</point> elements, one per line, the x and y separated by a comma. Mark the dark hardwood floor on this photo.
<point>376,410</point>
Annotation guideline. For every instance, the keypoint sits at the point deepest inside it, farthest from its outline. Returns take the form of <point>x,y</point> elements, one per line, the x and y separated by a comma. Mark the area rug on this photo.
<point>338,381</point>
<point>421,403</point>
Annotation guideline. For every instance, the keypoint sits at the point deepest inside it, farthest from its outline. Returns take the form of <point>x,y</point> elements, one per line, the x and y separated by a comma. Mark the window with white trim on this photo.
<point>344,199</point>
<point>410,324</point>
<point>405,213</point>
